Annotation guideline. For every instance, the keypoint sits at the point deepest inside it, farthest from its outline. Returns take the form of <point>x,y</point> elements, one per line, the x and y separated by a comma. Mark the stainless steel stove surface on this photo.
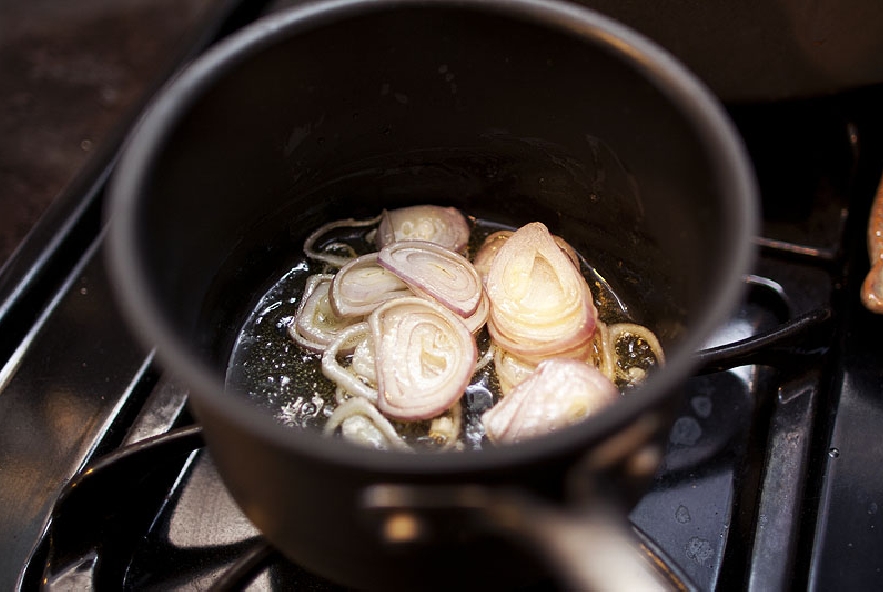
<point>770,480</point>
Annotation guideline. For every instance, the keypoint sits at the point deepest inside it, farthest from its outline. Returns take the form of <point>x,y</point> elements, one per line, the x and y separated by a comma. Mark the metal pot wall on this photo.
<point>514,111</point>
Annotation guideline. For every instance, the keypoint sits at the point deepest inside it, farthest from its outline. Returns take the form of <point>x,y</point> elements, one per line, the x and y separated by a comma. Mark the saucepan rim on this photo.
<point>132,284</point>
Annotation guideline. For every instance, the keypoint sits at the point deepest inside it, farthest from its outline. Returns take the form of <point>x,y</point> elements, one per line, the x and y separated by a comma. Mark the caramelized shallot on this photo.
<point>435,271</point>
<point>559,393</point>
<point>541,305</point>
<point>362,285</point>
<point>424,355</point>
<point>443,226</point>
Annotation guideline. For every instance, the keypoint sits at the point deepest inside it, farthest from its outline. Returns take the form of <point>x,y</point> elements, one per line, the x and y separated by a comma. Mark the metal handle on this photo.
<point>592,547</point>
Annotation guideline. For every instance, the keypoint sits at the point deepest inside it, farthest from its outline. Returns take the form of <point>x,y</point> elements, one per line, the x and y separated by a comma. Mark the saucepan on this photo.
<point>509,111</point>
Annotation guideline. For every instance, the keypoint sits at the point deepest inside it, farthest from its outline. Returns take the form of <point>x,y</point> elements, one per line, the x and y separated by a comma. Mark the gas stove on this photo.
<point>769,480</point>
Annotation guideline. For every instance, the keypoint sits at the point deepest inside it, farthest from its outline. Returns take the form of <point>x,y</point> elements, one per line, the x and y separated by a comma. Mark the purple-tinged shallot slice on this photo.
<point>541,305</point>
<point>559,393</point>
<point>436,224</point>
<point>315,324</point>
<point>424,357</point>
<point>362,285</point>
<point>435,271</point>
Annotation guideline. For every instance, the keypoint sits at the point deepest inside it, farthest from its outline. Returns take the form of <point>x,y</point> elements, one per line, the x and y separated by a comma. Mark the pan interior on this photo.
<point>508,119</point>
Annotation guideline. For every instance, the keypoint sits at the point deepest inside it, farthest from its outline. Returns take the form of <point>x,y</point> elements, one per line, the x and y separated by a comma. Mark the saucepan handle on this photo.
<point>592,547</point>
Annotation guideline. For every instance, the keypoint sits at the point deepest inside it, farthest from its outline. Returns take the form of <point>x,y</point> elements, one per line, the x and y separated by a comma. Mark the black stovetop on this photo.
<point>770,480</point>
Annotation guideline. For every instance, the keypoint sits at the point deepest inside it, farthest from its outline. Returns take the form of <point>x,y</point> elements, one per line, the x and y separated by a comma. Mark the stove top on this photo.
<point>769,480</point>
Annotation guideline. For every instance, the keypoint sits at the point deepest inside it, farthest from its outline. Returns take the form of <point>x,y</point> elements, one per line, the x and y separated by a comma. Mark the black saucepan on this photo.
<point>512,111</point>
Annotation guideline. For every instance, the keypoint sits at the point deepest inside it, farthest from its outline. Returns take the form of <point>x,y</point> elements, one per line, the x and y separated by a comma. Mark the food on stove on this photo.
<point>423,347</point>
<point>360,421</point>
<point>362,285</point>
<point>443,226</point>
<point>541,305</point>
<point>316,324</point>
<point>424,357</point>
<point>872,287</point>
<point>493,242</point>
<point>558,393</point>
<point>434,271</point>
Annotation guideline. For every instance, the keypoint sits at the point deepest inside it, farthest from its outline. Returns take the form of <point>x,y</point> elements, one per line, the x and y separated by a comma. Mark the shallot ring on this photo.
<point>357,406</point>
<point>345,301</point>
<point>314,338</point>
<point>340,375</point>
<point>424,355</point>
<point>436,271</point>
<point>334,260</point>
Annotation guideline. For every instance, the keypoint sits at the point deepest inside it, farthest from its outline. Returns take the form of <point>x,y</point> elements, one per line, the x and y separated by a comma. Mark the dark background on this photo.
<point>69,73</point>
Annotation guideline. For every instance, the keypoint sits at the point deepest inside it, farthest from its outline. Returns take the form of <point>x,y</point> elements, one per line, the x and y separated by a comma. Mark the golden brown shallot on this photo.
<point>436,224</point>
<point>362,285</point>
<point>541,305</point>
<point>435,271</point>
<point>424,355</point>
<point>872,287</point>
<point>315,324</point>
<point>559,393</point>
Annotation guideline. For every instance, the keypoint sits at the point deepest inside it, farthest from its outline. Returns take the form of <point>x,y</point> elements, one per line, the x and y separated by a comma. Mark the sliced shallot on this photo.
<point>540,303</point>
<point>330,258</point>
<point>363,361</point>
<point>612,366</point>
<point>362,285</point>
<point>445,429</point>
<point>425,357</point>
<point>488,250</point>
<point>477,320</point>
<point>559,393</point>
<point>315,324</point>
<point>347,378</point>
<point>493,242</point>
<point>436,224</point>
<point>511,370</point>
<point>436,271</point>
<point>361,423</point>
